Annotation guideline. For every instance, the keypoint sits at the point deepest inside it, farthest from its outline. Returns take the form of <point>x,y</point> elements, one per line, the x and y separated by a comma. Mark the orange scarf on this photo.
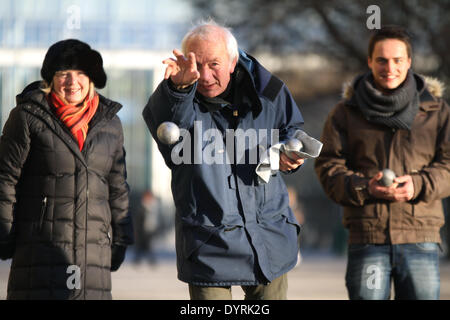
<point>76,118</point>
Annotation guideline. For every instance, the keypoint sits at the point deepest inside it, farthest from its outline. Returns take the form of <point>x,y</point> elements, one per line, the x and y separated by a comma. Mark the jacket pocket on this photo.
<point>105,236</point>
<point>280,239</point>
<point>368,212</point>
<point>274,200</point>
<point>42,213</point>
<point>195,235</point>
<point>293,221</point>
<point>405,208</point>
<point>432,210</point>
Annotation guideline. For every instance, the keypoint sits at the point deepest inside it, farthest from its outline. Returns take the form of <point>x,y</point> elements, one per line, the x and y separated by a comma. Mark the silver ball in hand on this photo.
<point>168,133</point>
<point>388,177</point>
<point>294,145</point>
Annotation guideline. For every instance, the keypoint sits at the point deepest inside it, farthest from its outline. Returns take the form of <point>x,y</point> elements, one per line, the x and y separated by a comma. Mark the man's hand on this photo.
<point>287,163</point>
<point>401,190</point>
<point>182,71</point>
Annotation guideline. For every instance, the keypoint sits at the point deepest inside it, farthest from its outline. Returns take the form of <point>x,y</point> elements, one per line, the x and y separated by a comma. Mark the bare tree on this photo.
<point>335,28</point>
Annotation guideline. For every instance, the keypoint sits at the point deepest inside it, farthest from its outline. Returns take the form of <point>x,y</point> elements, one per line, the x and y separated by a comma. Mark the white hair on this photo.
<point>204,29</point>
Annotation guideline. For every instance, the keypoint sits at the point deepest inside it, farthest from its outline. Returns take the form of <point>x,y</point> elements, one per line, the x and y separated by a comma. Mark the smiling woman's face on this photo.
<point>71,85</point>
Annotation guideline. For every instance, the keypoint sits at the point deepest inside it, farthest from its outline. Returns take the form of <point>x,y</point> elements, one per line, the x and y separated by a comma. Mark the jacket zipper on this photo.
<point>86,216</point>
<point>235,120</point>
<point>85,233</point>
<point>394,131</point>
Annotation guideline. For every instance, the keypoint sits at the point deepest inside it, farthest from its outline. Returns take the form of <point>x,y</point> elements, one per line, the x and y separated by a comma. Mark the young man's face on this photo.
<point>213,64</point>
<point>389,63</point>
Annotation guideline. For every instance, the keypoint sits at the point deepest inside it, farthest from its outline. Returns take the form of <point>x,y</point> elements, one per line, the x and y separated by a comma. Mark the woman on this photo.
<point>64,217</point>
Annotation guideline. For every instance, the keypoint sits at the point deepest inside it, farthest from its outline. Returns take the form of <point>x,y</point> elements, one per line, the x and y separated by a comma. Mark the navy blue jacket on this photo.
<point>230,229</point>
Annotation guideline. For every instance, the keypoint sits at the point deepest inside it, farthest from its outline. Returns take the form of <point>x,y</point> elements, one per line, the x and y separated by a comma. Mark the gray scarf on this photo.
<point>396,110</point>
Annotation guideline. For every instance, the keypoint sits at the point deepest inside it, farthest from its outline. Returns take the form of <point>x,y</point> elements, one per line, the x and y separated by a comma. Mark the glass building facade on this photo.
<point>133,38</point>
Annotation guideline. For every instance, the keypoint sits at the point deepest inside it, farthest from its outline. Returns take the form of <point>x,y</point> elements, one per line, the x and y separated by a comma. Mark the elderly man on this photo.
<point>231,228</point>
<point>390,118</point>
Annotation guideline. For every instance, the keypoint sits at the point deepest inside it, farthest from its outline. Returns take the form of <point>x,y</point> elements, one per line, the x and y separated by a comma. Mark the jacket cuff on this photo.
<point>292,171</point>
<point>418,185</point>
<point>173,87</point>
<point>360,189</point>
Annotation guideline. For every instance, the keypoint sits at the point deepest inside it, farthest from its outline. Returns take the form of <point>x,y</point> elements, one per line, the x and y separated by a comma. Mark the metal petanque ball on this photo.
<point>388,177</point>
<point>168,133</point>
<point>293,145</point>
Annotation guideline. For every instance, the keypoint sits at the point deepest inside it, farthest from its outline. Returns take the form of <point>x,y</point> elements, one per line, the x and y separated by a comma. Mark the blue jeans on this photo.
<point>413,268</point>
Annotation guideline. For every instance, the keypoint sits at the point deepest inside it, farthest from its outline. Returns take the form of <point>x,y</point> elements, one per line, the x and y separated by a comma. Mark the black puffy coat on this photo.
<point>61,210</point>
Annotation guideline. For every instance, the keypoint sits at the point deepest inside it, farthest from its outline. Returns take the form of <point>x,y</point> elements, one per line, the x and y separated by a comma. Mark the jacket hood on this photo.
<point>264,83</point>
<point>259,75</point>
<point>434,86</point>
<point>31,93</point>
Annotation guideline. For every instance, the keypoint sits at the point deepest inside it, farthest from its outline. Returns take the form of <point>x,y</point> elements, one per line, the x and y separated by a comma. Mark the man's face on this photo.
<point>389,63</point>
<point>213,64</point>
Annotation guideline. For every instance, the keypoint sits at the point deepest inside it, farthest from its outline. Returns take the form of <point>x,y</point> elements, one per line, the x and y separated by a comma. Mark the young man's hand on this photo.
<point>401,190</point>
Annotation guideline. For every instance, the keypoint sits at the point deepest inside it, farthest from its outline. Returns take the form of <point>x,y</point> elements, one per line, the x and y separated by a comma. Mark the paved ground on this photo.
<point>318,277</point>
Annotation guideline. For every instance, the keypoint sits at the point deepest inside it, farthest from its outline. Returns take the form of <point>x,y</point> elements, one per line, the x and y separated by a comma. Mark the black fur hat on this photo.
<point>76,55</point>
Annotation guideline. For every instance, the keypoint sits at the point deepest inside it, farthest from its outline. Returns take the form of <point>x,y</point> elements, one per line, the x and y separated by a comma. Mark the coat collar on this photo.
<point>430,95</point>
<point>33,93</point>
<point>258,80</point>
<point>35,102</point>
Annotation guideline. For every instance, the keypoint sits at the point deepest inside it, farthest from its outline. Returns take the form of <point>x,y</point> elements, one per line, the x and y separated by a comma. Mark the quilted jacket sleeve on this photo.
<point>14,148</point>
<point>119,196</point>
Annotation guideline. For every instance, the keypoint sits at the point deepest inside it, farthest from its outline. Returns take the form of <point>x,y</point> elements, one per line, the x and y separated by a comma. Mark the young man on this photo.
<point>390,118</point>
<point>230,228</point>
